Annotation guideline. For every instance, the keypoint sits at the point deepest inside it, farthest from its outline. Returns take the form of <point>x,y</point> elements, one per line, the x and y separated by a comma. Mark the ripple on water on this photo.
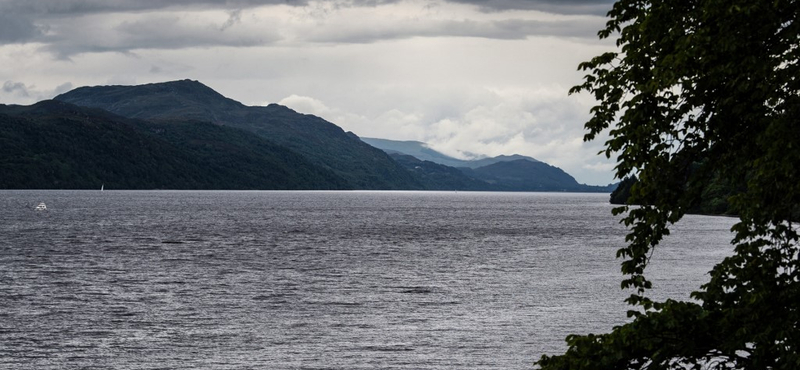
<point>314,280</point>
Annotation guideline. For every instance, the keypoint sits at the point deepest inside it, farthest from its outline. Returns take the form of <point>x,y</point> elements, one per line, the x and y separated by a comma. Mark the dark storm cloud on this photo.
<point>26,21</point>
<point>593,7</point>
<point>16,88</point>
<point>511,29</point>
<point>234,18</point>
<point>69,27</point>
<point>166,32</point>
<point>153,32</point>
<point>14,29</point>
<point>83,7</point>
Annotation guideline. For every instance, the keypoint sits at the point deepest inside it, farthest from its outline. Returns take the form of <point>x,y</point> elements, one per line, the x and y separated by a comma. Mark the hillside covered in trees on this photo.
<point>184,135</point>
<point>54,144</point>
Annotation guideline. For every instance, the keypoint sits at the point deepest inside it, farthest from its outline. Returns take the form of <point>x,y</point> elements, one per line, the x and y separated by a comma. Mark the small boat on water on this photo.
<point>41,207</point>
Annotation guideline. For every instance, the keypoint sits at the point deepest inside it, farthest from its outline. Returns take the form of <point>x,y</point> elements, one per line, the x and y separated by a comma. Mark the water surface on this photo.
<point>317,280</point>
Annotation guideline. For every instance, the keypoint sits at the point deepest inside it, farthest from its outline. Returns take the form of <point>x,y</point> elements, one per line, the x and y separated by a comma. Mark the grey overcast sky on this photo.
<point>469,77</point>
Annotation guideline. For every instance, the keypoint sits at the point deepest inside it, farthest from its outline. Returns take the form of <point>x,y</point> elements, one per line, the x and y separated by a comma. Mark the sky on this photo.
<point>468,77</point>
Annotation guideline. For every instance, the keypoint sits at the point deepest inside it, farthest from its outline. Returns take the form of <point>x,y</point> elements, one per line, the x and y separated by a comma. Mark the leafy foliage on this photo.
<point>622,194</point>
<point>703,92</point>
<point>714,199</point>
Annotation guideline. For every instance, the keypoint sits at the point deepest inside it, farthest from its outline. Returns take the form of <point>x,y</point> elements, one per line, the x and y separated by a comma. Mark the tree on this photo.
<point>622,193</point>
<point>702,89</point>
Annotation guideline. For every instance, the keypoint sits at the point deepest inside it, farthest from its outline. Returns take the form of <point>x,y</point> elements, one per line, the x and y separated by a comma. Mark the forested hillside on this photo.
<point>57,145</point>
<point>320,142</point>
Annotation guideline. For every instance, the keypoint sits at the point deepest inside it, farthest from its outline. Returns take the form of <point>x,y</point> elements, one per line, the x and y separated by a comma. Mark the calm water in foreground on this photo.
<point>317,280</point>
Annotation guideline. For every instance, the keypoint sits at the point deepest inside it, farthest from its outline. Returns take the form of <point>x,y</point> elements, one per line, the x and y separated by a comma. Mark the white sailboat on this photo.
<point>102,186</point>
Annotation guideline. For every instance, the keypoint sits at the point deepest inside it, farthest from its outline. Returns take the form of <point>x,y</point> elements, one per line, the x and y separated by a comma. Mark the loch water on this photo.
<point>318,280</point>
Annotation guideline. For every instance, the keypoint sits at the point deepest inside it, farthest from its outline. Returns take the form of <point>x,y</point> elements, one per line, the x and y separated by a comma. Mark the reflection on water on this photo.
<point>313,280</point>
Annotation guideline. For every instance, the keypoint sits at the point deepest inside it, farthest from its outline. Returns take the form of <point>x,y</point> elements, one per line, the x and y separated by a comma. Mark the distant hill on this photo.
<point>320,142</point>
<point>423,152</point>
<point>436,176</point>
<point>56,145</point>
<point>501,173</point>
<point>477,163</point>
<point>524,175</point>
<point>416,149</point>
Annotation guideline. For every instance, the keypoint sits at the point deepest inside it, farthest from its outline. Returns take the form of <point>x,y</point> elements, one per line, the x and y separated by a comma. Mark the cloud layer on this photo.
<point>68,27</point>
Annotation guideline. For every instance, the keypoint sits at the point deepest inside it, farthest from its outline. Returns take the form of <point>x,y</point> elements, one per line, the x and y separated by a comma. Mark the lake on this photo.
<point>318,280</point>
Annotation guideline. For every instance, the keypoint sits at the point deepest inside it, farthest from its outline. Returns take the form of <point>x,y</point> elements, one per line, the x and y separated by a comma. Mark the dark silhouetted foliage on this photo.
<point>701,94</point>
<point>622,193</point>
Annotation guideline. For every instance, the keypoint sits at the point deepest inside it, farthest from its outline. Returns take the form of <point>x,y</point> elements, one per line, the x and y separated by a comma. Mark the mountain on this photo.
<point>524,175</point>
<point>434,176</point>
<point>477,163</point>
<point>423,152</point>
<point>56,145</point>
<point>416,149</point>
<point>320,142</point>
<point>501,173</point>
<point>183,134</point>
